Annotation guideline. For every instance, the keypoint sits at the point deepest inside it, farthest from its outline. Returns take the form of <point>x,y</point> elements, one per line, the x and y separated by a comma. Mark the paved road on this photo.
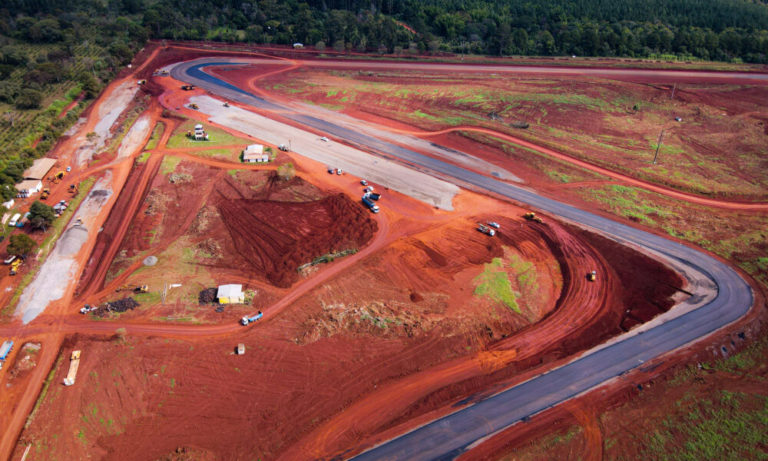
<point>724,297</point>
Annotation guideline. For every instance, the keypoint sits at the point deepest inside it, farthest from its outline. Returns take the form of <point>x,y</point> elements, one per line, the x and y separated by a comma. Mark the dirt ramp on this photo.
<point>274,238</point>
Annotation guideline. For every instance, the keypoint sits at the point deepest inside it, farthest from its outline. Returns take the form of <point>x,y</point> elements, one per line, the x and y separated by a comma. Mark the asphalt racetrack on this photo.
<point>720,296</point>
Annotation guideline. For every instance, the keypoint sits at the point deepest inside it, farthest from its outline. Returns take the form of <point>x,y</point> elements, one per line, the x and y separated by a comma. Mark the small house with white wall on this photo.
<point>255,154</point>
<point>230,294</point>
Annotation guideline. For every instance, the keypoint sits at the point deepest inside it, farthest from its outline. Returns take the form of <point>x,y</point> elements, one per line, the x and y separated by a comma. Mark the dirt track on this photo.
<point>344,427</point>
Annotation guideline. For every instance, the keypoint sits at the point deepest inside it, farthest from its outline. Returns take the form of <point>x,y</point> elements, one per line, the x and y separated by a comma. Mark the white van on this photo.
<point>15,220</point>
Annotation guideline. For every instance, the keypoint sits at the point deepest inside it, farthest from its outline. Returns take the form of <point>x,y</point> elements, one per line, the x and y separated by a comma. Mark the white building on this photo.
<point>255,154</point>
<point>29,187</point>
<point>230,294</point>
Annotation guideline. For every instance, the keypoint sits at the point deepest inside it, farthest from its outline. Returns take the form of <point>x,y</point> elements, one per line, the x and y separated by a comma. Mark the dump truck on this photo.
<point>374,196</point>
<point>369,203</point>
<point>592,276</point>
<point>486,230</point>
<point>251,319</point>
<point>74,364</point>
<point>44,195</point>
<point>6,349</point>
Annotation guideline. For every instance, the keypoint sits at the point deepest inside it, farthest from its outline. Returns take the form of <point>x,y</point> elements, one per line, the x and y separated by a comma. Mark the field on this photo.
<point>376,323</point>
<point>716,150</point>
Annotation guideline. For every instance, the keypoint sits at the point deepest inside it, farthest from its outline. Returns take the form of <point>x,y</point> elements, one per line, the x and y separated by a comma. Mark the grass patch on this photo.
<point>494,283</point>
<point>169,164</point>
<point>143,157</point>
<point>154,138</point>
<point>627,201</point>
<point>217,137</point>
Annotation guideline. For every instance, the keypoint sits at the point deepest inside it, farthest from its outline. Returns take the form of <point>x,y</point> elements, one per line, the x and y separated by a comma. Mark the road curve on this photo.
<point>720,299</point>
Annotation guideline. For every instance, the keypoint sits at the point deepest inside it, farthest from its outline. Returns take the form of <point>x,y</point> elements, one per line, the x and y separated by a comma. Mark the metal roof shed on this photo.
<point>230,294</point>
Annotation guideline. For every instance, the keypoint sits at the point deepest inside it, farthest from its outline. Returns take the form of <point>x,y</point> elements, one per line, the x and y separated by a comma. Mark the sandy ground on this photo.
<point>108,113</point>
<point>138,132</point>
<point>389,174</point>
<point>59,269</point>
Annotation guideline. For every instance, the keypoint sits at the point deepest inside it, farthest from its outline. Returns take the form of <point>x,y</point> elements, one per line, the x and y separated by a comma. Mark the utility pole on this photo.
<point>673,91</point>
<point>658,146</point>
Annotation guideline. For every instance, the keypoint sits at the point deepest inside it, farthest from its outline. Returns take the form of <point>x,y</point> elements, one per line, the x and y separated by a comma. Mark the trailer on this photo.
<point>74,364</point>
<point>6,349</point>
<point>14,220</point>
<point>372,206</point>
<point>251,319</point>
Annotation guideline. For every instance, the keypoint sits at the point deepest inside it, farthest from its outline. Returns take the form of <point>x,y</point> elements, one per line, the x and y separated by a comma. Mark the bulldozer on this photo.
<point>74,189</point>
<point>531,216</point>
<point>15,265</point>
<point>44,195</point>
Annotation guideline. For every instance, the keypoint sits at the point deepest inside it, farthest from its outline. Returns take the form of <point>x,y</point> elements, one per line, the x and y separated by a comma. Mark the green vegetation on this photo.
<point>154,138</point>
<point>286,171</point>
<point>143,157</point>
<point>626,201</point>
<point>217,137</point>
<point>494,283</point>
<point>20,245</point>
<point>169,164</point>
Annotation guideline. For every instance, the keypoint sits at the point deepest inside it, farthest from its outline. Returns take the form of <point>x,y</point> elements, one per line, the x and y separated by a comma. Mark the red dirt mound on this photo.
<point>274,238</point>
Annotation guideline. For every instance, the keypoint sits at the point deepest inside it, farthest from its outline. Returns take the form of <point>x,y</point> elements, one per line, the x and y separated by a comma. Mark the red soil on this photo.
<point>274,238</point>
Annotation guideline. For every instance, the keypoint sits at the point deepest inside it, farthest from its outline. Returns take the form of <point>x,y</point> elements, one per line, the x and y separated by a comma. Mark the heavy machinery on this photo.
<point>15,266</point>
<point>141,289</point>
<point>193,106</point>
<point>44,195</point>
<point>486,230</point>
<point>74,189</point>
<point>531,216</point>
<point>226,104</point>
<point>87,308</point>
<point>187,87</point>
<point>592,276</point>
<point>251,319</point>
<point>372,206</point>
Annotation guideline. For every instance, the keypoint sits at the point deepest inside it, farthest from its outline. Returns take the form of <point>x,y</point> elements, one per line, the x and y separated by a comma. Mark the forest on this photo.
<point>50,48</point>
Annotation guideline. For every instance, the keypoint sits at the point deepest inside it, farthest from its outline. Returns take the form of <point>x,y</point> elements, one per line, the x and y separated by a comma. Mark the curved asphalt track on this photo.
<point>451,435</point>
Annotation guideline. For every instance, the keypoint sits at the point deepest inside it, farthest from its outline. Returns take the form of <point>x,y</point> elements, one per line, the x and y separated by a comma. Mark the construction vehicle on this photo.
<point>485,229</point>
<point>10,259</point>
<point>74,364</point>
<point>251,319</point>
<point>44,195</point>
<point>193,106</point>
<point>74,189</point>
<point>142,82</point>
<point>531,216</point>
<point>15,266</point>
<point>58,176</point>
<point>494,224</point>
<point>283,147</point>
<point>141,289</point>
<point>240,349</point>
<point>87,308</point>
<point>369,203</point>
<point>226,104</point>
<point>592,276</point>
<point>187,87</point>
<point>374,196</point>
<point>6,349</point>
